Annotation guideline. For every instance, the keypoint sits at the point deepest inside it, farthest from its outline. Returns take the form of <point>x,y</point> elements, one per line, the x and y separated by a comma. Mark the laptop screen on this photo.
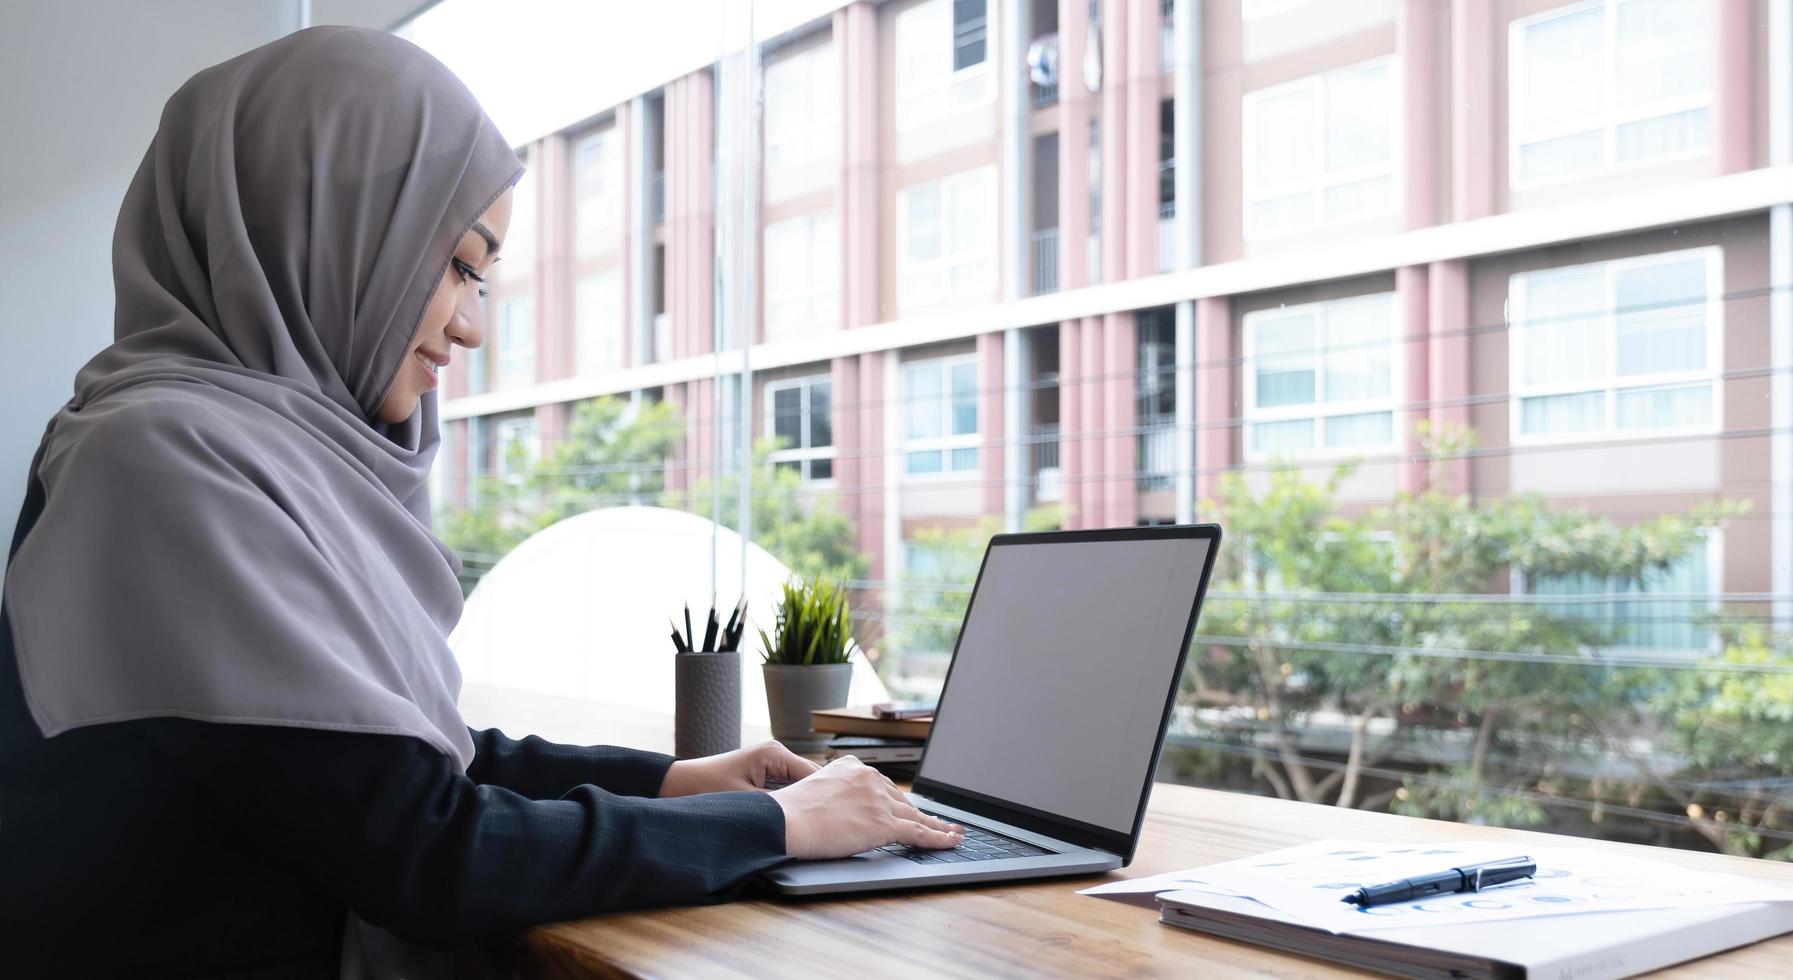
<point>1058,686</point>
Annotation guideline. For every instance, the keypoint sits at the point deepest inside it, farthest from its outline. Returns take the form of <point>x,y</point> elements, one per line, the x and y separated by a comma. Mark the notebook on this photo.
<point>862,721</point>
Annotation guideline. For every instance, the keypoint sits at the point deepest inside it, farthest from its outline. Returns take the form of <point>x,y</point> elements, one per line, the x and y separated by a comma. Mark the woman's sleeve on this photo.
<point>544,770</point>
<point>411,844</point>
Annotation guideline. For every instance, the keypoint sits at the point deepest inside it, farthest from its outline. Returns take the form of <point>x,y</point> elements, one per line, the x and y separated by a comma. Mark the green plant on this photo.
<point>813,626</point>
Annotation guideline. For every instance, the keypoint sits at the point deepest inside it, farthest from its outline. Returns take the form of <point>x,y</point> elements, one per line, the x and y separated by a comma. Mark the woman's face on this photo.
<point>453,315</point>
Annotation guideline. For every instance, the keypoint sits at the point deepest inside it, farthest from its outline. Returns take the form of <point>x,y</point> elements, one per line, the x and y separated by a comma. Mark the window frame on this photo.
<point>1713,550</point>
<point>813,293</point>
<point>1611,118</point>
<point>804,454</point>
<point>946,442</point>
<point>1318,182</point>
<point>908,92</point>
<point>950,257</point>
<point>1610,382</point>
<point>1319,410</point>
<point>817,134</point>
<point>510,356</point>
<point>607,337</point>
<point>605,201</point>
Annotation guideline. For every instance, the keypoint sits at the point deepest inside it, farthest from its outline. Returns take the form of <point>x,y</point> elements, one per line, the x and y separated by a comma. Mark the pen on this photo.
<point>1469,878</point>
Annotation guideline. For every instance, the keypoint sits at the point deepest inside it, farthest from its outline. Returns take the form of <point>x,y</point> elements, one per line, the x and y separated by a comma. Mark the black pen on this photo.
<point>1468,878</point>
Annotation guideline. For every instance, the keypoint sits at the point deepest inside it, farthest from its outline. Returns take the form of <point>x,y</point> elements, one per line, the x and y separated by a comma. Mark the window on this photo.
<point>1665,616</point>
<point>1319,151</point>
<point>1629,347</point>
<point>797,415</point>
<point>1273,27</point>
<point>969,32</point>
<point>516,342</point>
<point>598,322</point>
<point>802,120</point>
<point>802,275</point>
<point>940,416</point>
<point>597,190</point>
<point>518,446</point>
<point>940,63</point>
<point>947,232</point>
<point>1609,84</point>
<point>1320,377</point>
<point>519,242</point>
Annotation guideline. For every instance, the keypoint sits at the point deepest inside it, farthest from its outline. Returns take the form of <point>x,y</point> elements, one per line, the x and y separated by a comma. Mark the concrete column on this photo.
<point>1016,408</point>
<point>1017,140</point>
<point>1184,481</point>
<point>1116,212</point>
<point>1448,369</point>
<point>1120,457</point>
<point>1145,82</point>
<point>1472,109</point>
<point>1412,300</point>
<point>856,38</point>
<point>1091,441</point>
<point>554,239</point>
<point>1216,381</point>
<point>631,177</point>
<point>991,425</point>
<point>1734,117</point>
<point>639,257</point>
<point>872,464</point>
<point>1073,148</point>
<point>1070,421</point>
<point>843,419</point>
<point>676,208</point>
<point>698,135</point>
<point>1187,131</point>
<point>1416,40</point>
<point>550,425</point>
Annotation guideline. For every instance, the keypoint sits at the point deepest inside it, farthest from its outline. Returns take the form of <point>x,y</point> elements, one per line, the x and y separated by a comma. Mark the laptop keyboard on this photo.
<point>979,845</point>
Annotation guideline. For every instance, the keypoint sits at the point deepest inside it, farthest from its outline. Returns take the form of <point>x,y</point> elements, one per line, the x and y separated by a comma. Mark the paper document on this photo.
<point>1307,882</point>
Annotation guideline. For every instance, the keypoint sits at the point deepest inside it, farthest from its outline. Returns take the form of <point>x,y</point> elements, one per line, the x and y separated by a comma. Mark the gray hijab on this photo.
<point>228,535</point>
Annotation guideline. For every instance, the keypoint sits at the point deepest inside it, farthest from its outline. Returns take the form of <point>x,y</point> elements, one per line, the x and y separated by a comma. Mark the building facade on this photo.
<point>1097,253</point>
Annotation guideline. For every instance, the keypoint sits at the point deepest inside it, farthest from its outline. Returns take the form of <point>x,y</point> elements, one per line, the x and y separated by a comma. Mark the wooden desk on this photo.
<point>1037,929</point>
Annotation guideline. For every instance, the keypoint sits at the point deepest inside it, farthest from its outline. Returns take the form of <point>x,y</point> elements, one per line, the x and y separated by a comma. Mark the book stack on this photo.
<point>891,745</point>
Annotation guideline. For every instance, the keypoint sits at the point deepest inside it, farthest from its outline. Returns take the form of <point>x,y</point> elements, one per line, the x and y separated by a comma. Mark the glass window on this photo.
<point>1663,612</point>
<point>797,416</point>
<point>802,269</point>
<point>1617,83</point>
<point>1321,377</point>
<point>516,342</point>
<point>940,415</point>
<point>802,120</point>
<point>597,194</point>
<point>518,446</point>
<point>947,231</point>
<point>940,61</point>
<point>598,322</point>
<point>1617,347</point>
<point>969,31</point>
<point>1320,150</point>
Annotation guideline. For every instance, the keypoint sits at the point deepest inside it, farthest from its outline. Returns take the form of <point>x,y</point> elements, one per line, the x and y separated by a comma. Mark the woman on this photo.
<point>228,734</point>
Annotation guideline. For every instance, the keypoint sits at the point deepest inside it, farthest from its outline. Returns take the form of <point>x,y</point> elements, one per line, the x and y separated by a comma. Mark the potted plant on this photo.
<point>807,665</point>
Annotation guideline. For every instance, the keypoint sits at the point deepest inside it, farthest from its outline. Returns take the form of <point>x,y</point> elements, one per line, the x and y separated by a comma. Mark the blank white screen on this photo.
<point>1062,672</point>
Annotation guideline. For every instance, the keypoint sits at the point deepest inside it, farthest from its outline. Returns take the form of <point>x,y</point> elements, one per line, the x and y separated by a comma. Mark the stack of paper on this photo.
<point>1588,914</point>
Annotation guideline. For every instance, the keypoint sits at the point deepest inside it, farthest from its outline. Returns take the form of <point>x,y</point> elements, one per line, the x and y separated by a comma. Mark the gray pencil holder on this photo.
<point>707,703</point>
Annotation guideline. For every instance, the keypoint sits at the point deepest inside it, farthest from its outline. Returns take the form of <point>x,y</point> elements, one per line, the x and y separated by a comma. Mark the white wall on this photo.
<point>85,81</point>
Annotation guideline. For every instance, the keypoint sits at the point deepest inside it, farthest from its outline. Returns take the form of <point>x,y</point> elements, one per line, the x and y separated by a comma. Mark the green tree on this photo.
<point>928,606</point>
<point>1378,625</point>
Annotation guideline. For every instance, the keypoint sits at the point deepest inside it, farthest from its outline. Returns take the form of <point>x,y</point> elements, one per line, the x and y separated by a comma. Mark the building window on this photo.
<point>1629,347</point>
<point>802,118</point>
<point>518,446</point>
<point>802,275</point>
<point>598,322</point>
<point>597,194</point>
<point>519,241</point>
<point>797,416</point>
<point>969,32</point>
<point>940,416</point>
<point>516,342</point>
<point>1320,378</point>
<point>940,61</point>
<point>1663,612</point>
<point>947,232</point>
<point>1610,84</point>
<point>1319,151</point>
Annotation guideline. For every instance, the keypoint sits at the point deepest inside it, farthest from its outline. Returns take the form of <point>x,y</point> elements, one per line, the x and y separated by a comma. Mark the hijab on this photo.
<point>229,534</point>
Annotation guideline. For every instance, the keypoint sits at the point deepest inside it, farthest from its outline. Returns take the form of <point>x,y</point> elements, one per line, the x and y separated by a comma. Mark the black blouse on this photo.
<point>168,846</point>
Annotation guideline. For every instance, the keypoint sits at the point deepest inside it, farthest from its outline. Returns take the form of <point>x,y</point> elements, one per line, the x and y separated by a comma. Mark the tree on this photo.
<point>1379,626</point>
<point>611,454</point>
<point>929,604</point>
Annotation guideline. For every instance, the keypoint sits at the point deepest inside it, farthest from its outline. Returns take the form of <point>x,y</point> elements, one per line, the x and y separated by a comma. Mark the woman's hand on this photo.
<point>848,807</point>
<point>748,768</point>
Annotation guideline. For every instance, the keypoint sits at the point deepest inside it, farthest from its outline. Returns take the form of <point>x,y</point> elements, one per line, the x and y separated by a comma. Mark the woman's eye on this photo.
<point>467,274</point>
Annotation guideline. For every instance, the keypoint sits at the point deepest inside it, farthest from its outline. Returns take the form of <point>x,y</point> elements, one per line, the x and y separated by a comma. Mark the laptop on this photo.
<point>1053,711</point>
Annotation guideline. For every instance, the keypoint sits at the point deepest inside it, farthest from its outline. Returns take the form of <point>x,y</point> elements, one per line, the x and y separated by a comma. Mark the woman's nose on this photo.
<point>467,328</point>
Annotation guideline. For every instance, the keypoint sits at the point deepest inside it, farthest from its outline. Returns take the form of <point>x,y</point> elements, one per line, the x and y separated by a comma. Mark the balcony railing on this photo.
<point>1167,236</point>
<point>1157,452</point>
<point>1048,486</point>
<point>1045,261</point>
<point>1044,95</point>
